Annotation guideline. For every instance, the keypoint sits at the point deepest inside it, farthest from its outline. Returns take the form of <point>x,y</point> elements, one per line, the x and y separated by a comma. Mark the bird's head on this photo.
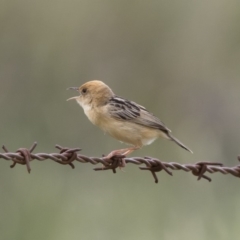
<point>92,93</point>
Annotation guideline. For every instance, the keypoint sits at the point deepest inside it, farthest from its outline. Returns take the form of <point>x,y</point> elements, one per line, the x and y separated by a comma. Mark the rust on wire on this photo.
<point>69,156</point>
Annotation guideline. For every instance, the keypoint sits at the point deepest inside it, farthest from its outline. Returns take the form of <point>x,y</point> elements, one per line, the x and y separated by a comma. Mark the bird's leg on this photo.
<point>130,150</point>
<point>124,151</point>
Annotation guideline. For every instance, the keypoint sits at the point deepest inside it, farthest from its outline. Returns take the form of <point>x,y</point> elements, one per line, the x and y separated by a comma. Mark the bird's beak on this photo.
<point>73,88</point>
<point>73,98</point>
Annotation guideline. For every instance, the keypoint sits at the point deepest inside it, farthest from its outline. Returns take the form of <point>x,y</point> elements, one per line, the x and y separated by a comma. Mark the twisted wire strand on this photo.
<point>67,156</point>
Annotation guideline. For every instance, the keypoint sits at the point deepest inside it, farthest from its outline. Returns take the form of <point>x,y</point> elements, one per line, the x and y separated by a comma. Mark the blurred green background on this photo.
<point>180,59</point>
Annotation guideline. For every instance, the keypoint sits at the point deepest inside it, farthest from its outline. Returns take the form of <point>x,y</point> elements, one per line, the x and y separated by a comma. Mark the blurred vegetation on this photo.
<point>180,59</point>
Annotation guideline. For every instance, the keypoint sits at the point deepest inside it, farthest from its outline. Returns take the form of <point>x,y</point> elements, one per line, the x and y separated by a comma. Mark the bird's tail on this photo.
<point>178,142</point>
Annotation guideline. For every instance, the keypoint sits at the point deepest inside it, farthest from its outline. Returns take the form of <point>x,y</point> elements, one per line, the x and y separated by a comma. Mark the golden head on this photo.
<point>92,94</point>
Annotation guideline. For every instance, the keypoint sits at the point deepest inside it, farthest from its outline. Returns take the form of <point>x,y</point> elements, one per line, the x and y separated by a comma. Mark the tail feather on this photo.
<point>178,142</point>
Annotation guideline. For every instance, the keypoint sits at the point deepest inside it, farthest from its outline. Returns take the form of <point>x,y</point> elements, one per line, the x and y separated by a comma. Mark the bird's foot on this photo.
<point>117,155</point>
<point>122,153</point>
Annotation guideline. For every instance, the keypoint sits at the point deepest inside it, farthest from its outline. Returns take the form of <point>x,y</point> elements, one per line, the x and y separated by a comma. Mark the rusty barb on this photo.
<point>68,156</point>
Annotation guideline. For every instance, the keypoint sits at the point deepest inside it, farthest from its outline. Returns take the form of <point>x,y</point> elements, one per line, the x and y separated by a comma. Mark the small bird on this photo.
<point>122,119</point>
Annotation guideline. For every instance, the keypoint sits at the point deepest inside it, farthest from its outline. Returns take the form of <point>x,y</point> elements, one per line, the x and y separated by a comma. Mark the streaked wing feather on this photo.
<point>125,110</point>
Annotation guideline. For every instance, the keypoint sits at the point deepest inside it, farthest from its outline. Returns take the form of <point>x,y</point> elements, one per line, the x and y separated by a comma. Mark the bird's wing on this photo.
<point>125,110</point>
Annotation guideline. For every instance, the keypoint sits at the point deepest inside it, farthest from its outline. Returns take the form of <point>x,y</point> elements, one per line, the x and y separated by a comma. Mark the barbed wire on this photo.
<point>67,156</point>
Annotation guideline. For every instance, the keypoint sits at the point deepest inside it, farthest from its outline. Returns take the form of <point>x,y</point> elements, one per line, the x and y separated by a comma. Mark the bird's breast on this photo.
<point>124,131</point>
<point>89,111</point>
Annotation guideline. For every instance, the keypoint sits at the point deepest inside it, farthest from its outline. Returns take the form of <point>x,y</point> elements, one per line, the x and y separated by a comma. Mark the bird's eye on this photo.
<point>84,90</point>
